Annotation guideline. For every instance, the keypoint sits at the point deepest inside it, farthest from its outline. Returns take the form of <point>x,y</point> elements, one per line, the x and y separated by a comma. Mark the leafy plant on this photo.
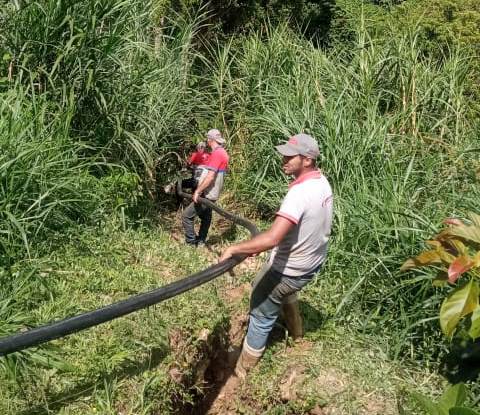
<point>455,251</point>
<point>450,403</point>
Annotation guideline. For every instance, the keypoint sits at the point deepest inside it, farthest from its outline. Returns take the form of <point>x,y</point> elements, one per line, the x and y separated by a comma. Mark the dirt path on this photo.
<point>220,384</point>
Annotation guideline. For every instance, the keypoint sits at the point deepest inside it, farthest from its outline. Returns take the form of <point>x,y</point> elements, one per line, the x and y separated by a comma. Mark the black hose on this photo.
<point>83,321</point>
<point>236,219</point>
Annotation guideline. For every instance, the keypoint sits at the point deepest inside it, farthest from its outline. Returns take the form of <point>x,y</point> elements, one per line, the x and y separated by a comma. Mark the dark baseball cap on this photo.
<point>302,144</point>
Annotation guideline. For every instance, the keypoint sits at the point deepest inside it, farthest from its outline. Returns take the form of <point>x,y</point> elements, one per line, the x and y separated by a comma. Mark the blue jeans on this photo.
<point>270,290</point>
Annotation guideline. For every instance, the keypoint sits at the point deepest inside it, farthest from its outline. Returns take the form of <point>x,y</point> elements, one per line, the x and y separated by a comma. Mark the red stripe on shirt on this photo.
<point>327,200</point>
<point>288,217</point>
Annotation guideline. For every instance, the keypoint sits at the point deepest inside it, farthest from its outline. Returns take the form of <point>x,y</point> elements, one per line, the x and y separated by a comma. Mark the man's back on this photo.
<point>218,162</point>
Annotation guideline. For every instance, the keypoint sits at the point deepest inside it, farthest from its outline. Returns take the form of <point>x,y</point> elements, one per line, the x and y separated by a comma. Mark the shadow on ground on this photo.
<point>225,231</point>
<point>462,364</point>
<point>55,402</point>
<point>313,320</point>
<point>220,372</point>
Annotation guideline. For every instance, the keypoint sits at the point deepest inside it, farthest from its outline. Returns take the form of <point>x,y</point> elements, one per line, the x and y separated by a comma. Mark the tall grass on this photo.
<point>128,79</point>
<point>396,131</point>
<point>45,182</point>
<point>94,102</point>
<point>87,85</point>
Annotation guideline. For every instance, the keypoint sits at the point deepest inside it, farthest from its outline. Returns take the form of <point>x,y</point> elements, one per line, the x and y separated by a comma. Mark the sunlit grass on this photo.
<point>123,364</point>
<point>397,135</point>
<point>97,107</point>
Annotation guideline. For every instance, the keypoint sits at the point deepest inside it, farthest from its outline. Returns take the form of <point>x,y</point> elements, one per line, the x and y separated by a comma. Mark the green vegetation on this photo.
<point>99,102</point>
<point>454,251</point>
<point>450,403</point>
<point>123,364</point>
<point>444,21</point>
<point>398,141</point>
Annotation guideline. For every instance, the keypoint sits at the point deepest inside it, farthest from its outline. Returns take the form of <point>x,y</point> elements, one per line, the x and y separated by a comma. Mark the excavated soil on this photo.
<point>221,382</point>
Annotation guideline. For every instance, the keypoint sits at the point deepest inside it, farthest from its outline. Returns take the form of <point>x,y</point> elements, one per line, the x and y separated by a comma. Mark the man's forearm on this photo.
<point>260,243</point>
<point>204,184</point>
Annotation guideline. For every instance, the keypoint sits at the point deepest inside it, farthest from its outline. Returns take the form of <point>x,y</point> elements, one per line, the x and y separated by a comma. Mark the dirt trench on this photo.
<point>214,383</point>
<point>220,382</point>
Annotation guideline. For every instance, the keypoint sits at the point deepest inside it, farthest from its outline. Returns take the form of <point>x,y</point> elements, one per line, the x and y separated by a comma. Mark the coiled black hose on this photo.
<point>83,321</point>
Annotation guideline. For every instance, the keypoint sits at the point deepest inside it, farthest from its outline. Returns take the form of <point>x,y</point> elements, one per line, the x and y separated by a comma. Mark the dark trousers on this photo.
<point>189,183</point>
<point>270,289</point>
<point>188,219</point>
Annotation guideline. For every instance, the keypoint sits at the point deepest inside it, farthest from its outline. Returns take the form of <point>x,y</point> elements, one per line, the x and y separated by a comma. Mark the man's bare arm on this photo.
<point>262,242</point>
<point>207,181</point>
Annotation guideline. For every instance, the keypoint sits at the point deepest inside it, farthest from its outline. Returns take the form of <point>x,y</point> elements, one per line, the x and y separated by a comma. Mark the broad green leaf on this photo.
<point>454,396</point>
<point>462,411</point>
<point>474,331</point>
<point>459,303</point>
<point>468,232</point>
<point>458,267</point>
<point>427,404</point>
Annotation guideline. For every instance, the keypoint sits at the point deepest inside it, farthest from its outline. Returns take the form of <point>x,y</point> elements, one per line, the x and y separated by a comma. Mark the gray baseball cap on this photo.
<point>216,135</point>
<point>302,144</point>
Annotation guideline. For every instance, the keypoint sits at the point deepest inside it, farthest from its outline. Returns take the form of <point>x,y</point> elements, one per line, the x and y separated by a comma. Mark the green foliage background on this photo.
<point>101,99</point>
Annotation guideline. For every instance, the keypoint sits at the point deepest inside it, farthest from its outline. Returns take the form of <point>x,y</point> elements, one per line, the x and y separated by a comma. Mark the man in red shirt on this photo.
<point>198,157</point>
<point>195,162</point>
<point>210,185</point>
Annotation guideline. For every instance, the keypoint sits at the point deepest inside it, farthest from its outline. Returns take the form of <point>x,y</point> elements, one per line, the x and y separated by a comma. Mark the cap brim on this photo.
<point>286,150</point>
<point>217,139</point>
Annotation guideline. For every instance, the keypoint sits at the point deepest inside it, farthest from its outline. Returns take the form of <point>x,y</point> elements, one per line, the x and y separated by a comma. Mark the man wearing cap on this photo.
<point>299,238</point>
<point>210,184</point>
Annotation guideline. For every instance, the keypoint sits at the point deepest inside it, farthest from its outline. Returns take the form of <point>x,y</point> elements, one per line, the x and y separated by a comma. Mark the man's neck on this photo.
<point>305,171</point>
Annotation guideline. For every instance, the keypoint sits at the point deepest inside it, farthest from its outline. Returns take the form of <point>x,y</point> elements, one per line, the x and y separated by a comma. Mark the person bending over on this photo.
<point>196,163</point>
